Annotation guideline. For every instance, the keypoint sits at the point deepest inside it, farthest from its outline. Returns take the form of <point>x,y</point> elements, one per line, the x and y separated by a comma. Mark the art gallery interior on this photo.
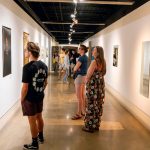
<point>121,27</point>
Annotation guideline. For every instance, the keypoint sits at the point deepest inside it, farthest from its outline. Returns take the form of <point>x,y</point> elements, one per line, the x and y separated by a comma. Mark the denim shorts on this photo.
<point>80,79</point>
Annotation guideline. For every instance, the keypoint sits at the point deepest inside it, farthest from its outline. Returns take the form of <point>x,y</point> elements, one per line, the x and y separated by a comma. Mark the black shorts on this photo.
<point>31,108</point>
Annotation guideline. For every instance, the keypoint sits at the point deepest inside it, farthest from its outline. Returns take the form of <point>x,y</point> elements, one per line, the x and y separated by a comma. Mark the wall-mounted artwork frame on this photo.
<point>145,69</point>
<point>25,41</point>
<point>115,56</point>
<point>6,48</point>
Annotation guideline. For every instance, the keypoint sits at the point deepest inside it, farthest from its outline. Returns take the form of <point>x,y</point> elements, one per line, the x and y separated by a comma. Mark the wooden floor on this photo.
<point>119,130</point>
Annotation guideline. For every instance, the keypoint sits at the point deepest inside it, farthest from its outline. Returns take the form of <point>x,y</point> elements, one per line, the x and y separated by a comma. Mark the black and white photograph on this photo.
<point>115,56</point>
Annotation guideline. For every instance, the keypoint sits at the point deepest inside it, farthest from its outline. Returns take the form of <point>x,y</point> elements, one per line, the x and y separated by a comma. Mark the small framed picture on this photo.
<point>115,56</point>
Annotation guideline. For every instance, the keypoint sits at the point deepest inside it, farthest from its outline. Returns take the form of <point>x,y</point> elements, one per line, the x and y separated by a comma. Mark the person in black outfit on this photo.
<point>34,81</point>
<point>73,59</point>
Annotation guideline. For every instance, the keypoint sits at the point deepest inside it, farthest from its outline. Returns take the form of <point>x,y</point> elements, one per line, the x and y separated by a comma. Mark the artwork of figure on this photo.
<point>115,57</point>
<point>6,38</point>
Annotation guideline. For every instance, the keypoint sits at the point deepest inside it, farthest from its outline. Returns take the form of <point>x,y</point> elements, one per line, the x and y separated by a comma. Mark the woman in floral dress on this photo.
<point>95,91</point>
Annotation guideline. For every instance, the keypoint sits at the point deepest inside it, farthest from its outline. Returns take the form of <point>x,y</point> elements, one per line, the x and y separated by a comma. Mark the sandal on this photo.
<point>87,130</point>
<point>83,114</point>
<point>76,117</point>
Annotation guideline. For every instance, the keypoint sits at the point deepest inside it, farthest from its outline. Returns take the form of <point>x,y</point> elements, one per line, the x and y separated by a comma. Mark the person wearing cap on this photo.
<point>34,81</point>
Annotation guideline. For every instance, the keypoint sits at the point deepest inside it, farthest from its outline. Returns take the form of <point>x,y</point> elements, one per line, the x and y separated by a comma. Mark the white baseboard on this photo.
<point>143,118</point>
<point>6,118</point>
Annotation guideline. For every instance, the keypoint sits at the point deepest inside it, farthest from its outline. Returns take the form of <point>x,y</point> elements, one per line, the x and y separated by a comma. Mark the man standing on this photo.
<point>34,81</point>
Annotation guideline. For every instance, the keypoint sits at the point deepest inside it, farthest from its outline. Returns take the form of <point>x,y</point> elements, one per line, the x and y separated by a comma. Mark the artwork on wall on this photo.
<point>115,56</point>
<point>25,41</point>
<point>145,70</point>
<point>6,46</point>
<point>47,53</point>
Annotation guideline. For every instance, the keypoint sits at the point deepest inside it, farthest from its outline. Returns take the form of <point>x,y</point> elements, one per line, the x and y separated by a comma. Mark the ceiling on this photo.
<point>54,16</point>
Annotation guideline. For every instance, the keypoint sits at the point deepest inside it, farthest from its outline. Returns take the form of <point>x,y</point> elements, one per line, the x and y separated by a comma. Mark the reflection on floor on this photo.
<point>119,130</point>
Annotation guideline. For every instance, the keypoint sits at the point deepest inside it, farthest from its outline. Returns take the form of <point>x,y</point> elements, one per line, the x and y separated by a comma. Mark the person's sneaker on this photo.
<point>31,146</point>
<point>41,139</point>
<point>96,129</point>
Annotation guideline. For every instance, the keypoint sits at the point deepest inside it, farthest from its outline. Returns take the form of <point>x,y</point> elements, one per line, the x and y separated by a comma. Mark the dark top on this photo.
<point>74,56</point>
<point>84,65</point>
<point>35,73</point>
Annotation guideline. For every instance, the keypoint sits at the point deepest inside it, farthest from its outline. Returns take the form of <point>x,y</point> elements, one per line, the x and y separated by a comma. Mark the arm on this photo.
<point>45,83</point>
<point>24,91</point>
<point>77,66</point>
<point>90,71</point>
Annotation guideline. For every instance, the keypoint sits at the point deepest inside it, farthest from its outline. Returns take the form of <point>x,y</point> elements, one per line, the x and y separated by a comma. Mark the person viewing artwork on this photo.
<point>74,55</point>
<point>66,67</point>
<point>34,81</point>
<point>61,63</point>
<point>95,91</point>
<point>80,71</point>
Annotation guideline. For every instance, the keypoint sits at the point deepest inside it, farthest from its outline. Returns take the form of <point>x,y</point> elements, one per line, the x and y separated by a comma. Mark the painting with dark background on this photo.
<point>6,46</point>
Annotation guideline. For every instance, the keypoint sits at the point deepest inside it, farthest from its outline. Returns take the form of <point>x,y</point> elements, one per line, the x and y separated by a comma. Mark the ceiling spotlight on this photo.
<point>76,21</point>
<point>73,16</point>
<point>73,31</point>
<point>75,1</point>
<point>75,11</point>
<point>73,19</point>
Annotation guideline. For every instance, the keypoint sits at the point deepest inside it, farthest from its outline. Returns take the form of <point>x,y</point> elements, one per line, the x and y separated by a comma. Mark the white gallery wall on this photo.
<point>123,81</point>
<point>12,16</point>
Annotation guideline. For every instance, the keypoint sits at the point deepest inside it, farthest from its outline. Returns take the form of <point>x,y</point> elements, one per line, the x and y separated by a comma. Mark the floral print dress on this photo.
<point>95,93</point>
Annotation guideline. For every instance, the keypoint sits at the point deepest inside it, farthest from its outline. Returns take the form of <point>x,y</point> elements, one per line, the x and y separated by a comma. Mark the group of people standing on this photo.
<point>34,81</point>
<point>64,65</point>
<point>66,61</point>
<point>93,79</point>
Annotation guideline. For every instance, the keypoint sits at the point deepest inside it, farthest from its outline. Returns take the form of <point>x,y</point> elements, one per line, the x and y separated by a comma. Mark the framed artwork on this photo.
<point>25,41</point>
<point>6,48</point>
<point>145,69</point>
<point>115,56</point>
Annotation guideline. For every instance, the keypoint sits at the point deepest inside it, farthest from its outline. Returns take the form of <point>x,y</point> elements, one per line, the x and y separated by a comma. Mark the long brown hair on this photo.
<point>100,60</point>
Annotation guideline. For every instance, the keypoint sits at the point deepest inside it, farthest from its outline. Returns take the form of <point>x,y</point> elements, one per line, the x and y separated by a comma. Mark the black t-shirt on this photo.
<point>35,73</point>
<point>76,55</point>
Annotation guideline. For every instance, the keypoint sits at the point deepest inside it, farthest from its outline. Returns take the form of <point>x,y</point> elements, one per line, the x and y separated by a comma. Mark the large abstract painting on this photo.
<point>25,41</point>
<point>6,46</point>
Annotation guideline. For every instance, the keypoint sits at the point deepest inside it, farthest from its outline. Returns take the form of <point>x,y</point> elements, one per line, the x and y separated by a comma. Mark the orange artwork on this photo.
<point>25,41</point>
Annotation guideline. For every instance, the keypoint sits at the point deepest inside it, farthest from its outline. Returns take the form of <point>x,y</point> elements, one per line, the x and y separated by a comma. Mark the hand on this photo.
<point>86,79</point>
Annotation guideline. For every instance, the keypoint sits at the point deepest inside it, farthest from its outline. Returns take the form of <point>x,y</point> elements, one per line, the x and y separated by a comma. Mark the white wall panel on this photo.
<point>12,16</point>
<point>128,33</point>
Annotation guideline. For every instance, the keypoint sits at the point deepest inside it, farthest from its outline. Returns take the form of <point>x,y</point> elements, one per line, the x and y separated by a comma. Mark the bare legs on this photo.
<point>36,124</point>
<point>80,88</point>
